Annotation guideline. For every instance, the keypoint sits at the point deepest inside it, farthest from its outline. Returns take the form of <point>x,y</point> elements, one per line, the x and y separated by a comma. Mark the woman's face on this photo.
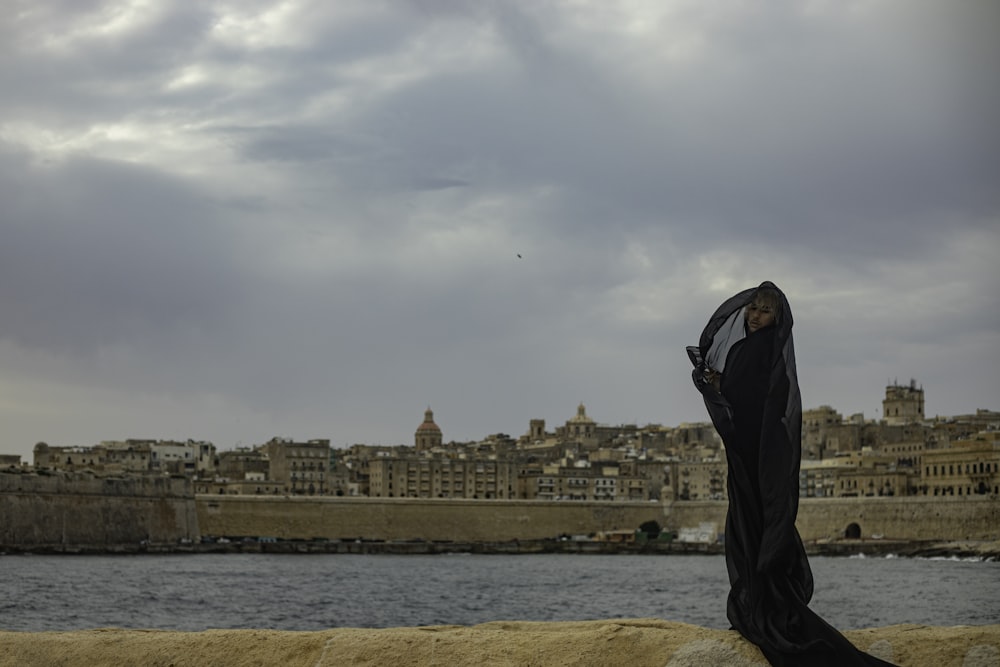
<point>759,315</point>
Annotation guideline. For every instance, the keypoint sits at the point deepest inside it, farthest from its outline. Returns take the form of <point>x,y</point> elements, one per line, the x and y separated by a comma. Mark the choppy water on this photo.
<point>315,592</point>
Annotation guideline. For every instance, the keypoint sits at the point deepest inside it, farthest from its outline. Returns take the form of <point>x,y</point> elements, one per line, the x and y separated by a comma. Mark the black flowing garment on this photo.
<point>758,413</point>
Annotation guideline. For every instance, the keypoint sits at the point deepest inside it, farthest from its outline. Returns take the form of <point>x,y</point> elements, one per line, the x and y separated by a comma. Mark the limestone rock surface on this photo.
<point>632,642</point>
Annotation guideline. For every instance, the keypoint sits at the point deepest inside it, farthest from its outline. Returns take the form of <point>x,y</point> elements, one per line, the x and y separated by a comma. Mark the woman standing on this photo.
<point>745,370</point>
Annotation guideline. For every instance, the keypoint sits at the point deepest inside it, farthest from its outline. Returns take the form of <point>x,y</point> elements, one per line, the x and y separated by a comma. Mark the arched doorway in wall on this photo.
<point>853,531</point>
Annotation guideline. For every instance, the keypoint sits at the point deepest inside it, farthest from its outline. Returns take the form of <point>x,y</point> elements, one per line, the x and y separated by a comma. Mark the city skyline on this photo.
<point>231,221</point>
<point>408,440</point>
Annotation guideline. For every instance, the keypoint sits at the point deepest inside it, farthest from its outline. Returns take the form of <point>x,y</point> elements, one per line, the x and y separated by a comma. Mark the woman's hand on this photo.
<point>714,378</point>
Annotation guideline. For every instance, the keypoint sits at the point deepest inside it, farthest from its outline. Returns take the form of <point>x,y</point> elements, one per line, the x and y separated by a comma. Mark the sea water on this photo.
<point>315,592</point>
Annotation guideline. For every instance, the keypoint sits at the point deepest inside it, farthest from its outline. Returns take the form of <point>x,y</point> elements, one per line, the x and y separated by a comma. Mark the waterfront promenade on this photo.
<point>632,642</point>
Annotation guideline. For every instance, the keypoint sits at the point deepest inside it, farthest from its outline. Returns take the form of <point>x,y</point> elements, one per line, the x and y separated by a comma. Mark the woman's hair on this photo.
<point>768,296</point>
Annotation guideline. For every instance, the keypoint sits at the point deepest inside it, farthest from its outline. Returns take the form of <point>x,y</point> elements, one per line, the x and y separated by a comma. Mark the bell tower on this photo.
<point>903,404</point>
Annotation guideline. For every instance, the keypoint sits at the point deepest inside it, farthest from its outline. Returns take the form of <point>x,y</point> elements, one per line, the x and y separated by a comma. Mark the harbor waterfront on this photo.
<point>910,518</point>
<point>543,610</point>
<point>76,512</point>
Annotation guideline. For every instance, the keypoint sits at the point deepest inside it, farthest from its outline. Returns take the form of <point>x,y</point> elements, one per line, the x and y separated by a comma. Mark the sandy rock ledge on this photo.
<point>632,642</point>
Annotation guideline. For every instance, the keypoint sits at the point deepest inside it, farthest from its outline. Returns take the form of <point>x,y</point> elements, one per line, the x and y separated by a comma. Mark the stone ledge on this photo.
<point>633,642</point>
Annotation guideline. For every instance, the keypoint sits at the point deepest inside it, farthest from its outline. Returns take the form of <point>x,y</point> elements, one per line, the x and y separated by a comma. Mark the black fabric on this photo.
<point>757,410</point>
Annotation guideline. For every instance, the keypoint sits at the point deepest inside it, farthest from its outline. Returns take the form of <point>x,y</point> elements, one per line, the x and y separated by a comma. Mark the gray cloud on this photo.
<point>96,251</point>
<point>308,221</point>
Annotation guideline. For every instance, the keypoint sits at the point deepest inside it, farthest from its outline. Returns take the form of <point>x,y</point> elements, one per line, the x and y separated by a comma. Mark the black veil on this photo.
<point>757,410</point>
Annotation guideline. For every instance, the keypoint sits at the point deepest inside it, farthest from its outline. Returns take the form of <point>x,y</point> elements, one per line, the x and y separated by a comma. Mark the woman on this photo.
<point>745,369</point>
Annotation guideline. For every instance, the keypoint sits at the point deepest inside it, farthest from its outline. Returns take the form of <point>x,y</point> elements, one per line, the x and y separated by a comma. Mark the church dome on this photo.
<point>428,424</point>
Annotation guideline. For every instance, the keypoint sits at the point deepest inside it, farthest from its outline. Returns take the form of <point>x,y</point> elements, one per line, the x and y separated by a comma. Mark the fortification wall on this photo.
<point>414,518</point>
<point>66,510</point>
<point>905,518</point>
<point>913,518</point>
<point>80,509</point>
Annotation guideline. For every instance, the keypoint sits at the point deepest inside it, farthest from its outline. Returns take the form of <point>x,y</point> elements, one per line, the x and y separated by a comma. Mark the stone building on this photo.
<point>127,456</point>
<point>822,430</point>
<point>110,456</point>
<point>356,462</point>
<point>818,479</point>
<point>875,480</point>
<point>702,480</point>
<point>190,458</point>
<point>301,467</point>
<point>562,479</point>
<point>825,433</point>
<point>696,433</point>
<point>903,404</point>
<point>242,463</point>
<point>870,472</point>
<point>340,480</point>
<point>251,486</point>
<point>132,456</point>
<point>440,476</point>
<point>968,467</point>
<point>66,458</point>
<point>581,481</point>
<point>960,427</point>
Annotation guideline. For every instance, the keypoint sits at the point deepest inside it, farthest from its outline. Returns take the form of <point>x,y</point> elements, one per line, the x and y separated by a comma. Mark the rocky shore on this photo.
<point>632,642</point>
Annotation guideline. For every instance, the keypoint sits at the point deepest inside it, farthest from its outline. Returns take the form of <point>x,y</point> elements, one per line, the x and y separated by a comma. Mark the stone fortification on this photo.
<point>904,518</point>
<point>79,510</point>
<point>909,518</point>
<point>415,518</point>
<point>67,511</point>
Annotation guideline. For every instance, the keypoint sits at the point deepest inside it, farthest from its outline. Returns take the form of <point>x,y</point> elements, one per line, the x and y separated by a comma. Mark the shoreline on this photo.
<point>644,642</point>
<point>971,549</point>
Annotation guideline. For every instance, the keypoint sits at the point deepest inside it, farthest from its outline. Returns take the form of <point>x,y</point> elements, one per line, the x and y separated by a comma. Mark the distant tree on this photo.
<point>651,528</point>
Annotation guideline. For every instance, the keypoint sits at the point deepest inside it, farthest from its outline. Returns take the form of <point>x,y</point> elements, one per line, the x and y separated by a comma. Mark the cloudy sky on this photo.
<point>238,220</point>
